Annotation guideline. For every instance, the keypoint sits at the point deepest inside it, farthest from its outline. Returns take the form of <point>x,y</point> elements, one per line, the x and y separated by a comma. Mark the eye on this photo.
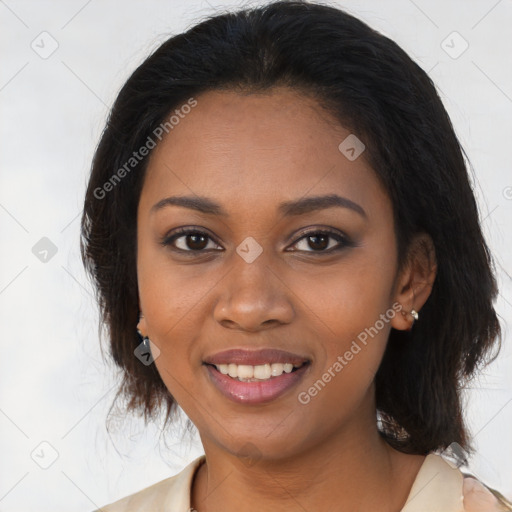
<point>197,241</point>
<point>318,241</point>
<point>189,240</point>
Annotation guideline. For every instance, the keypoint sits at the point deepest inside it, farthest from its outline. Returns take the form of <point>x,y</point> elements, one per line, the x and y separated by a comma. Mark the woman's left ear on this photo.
<point>415,281</point>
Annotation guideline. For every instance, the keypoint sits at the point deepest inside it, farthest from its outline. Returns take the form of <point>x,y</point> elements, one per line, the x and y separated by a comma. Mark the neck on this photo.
<point>355,470</point>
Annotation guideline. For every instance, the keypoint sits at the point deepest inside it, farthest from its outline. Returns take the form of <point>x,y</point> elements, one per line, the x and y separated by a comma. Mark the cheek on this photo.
<point>350,355</point>
<point>349,297</point>
<point>169,300</point>
<point>353,313</point>
<point>170,294</point>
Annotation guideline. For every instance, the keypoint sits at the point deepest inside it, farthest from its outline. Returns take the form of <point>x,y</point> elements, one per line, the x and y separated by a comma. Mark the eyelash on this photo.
<point>183,232</point>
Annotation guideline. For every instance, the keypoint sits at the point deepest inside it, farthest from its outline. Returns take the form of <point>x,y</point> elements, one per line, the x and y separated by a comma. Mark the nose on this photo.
<point>253,297</point>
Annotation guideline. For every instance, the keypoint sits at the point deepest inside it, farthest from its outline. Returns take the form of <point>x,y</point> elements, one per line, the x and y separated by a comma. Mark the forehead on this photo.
<point>257,147</point>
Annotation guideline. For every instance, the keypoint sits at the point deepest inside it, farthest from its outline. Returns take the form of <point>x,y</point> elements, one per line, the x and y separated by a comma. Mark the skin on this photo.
<point>249,153</point>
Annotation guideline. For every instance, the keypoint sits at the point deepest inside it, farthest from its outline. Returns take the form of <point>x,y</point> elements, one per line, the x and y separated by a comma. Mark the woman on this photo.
<point>284,240</point>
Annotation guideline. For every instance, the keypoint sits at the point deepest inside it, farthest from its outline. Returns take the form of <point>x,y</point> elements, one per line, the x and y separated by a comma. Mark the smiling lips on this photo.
<point>250,376</point>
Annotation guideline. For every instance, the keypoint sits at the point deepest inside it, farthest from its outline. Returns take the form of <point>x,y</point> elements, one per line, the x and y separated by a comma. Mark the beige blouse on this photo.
<point>438,487</point>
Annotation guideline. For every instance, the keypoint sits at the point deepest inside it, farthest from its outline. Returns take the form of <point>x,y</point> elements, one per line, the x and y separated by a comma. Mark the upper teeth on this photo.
<point>259,372</point>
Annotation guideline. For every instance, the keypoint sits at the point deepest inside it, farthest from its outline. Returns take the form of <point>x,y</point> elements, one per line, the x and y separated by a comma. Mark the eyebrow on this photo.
<point>287,208</point>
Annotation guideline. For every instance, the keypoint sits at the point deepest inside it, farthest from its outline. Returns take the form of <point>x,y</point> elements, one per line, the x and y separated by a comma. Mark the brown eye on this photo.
<point>189,240</point>
<point>319,241</point>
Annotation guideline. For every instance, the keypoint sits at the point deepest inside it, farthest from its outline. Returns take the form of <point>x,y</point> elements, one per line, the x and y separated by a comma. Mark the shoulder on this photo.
<point>480,498</point>
<point>173,493</point>
<point>441,485</point>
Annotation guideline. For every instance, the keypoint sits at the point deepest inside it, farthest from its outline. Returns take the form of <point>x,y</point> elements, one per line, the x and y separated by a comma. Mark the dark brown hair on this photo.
<point>368,83</point>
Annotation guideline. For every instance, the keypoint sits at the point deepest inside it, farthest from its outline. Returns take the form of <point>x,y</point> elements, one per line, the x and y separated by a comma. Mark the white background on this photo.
<point>55,386</point>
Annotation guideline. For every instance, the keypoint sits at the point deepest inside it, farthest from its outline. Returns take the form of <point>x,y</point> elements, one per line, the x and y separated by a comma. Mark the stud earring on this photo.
<point>413,313</point>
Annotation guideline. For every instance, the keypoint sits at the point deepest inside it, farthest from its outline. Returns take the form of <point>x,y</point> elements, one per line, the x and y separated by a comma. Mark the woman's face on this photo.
<point>267,270</point>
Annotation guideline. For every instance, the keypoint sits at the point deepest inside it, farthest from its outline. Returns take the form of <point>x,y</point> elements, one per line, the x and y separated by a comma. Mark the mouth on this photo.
<point>255,377</point>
